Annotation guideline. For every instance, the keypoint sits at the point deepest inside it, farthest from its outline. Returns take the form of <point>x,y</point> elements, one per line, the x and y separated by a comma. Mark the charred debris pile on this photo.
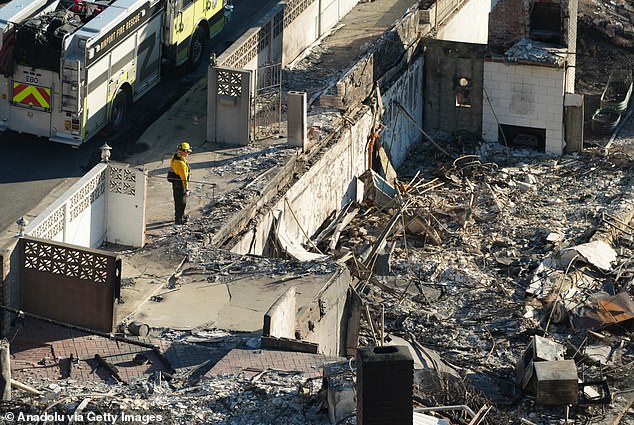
<point>512,266</point>
<point>509,271</point>
<point>504,267</point>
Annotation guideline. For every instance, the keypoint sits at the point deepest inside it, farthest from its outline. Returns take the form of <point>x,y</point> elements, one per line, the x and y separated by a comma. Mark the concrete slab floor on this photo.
<point>208,184</point>
<point>238,305</point>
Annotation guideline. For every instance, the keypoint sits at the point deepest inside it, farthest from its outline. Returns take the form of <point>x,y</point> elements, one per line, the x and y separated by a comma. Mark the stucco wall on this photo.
<point>305,23</point>
<point>106,205</point>
<point>526,96</point>
<point>300,31</point>
<point>125,200</point>
<point>229,105</point>
<point>259,45</point>
<point>469,24</point>
<point>10,281</point>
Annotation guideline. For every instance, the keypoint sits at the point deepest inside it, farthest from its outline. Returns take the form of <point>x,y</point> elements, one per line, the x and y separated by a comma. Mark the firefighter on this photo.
<point>228,12</point>
<point>178,175</point>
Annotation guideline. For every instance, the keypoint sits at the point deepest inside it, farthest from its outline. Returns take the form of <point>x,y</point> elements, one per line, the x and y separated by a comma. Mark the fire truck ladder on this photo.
<point>71,86</point>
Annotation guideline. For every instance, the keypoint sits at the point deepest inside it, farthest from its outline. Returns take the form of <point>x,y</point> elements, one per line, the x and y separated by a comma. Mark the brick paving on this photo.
<point>252,362</point>
<point>40,351</point>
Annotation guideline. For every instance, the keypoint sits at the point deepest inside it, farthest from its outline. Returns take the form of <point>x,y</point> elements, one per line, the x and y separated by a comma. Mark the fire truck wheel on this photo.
<point>119,111</point>
<point>196,49</point>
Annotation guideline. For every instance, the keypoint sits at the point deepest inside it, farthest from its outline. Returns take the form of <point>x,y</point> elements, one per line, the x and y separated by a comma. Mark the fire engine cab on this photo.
<point>69,68</point>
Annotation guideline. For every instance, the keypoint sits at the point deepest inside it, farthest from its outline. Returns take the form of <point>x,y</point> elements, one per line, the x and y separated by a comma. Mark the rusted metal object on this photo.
<point>69,284</point>
<point>606,311</point>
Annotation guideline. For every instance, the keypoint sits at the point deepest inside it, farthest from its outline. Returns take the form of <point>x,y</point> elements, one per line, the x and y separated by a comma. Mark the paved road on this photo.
<point>32,167</point>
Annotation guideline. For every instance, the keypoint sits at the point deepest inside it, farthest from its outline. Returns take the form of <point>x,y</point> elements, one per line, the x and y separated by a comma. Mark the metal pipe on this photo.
<point>78,328</point>
<point>156,349</point>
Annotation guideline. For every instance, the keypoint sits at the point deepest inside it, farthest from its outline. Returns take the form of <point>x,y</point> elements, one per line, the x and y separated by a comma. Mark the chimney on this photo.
<point>384,385</point>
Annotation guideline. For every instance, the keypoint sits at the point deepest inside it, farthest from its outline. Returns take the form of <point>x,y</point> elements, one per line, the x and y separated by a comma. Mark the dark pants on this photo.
<point>180,201</point>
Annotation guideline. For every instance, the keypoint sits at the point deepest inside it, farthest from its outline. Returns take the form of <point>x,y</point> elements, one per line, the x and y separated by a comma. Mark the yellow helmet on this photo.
<point>184,146</point>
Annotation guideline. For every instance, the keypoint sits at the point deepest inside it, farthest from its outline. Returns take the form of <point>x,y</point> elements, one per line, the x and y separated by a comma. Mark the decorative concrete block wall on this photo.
<point>125,200</point>
<point>78,216</point>
<point>525,96</point>
<point>229,105</point>
<point>106,205</point>
<point>10,279</point>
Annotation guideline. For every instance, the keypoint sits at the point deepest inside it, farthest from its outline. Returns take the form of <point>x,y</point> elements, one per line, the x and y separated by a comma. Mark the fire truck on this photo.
<point>70,68</point>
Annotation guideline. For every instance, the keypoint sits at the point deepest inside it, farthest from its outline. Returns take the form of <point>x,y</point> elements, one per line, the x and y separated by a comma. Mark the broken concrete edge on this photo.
<point>279,320</point>
<point>289,344</point>
<point>232,230</point>
<point>317,319</point>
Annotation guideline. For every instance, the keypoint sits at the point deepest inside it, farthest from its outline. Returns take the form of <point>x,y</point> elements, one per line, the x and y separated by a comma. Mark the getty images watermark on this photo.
<point>102,418</point>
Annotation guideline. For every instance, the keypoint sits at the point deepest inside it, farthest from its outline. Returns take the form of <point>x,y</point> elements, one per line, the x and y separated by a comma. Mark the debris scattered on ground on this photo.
<point>475,260</point>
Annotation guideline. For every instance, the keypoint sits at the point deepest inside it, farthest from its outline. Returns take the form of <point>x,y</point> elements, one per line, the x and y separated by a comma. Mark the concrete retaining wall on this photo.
<point>322,189</point>
<point>329,184</point>
<point>399,134</point>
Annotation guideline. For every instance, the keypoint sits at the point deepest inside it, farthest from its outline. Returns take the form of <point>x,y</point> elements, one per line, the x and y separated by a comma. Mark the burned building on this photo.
<point>510,78</point>
<point>529,73</point>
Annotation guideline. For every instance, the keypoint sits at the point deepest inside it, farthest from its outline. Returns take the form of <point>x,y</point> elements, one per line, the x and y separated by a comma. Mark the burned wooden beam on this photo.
<point>110,368</point>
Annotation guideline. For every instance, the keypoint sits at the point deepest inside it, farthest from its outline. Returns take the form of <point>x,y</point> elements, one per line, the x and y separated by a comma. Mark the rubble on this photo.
<point>500,270</point>
<point>475,276</point>
<point>536,51</point>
